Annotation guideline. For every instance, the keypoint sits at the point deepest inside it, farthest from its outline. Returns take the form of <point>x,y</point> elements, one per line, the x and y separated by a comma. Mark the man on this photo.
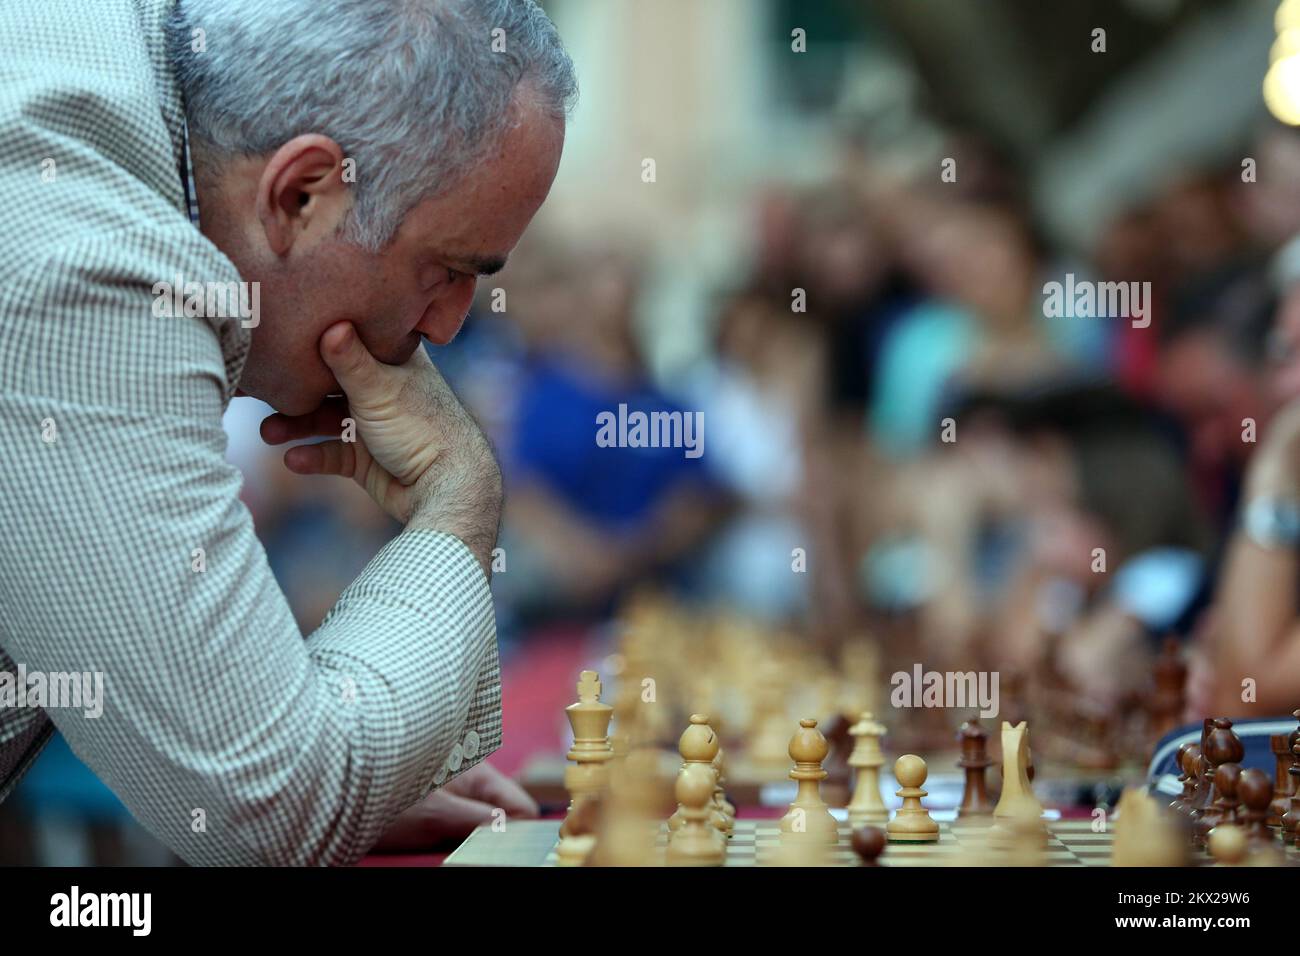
<point>357,164</point>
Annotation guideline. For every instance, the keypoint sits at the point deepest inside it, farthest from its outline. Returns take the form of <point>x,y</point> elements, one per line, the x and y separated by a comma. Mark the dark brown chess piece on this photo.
<point>1283,782</point>
<point>1200,789</point>
<point>1179,803</point>
<point>974,761</point>
<point>836,764</point>
<point>1191,762</point>
<point>1222,746</point>
<point>1291,819</point>
<point>1293,772</point>
<point>868,843</point>
<point>1170,678</point>
<point>1256,793</point>
<point>1200,793</point>
<point>1224,808</point>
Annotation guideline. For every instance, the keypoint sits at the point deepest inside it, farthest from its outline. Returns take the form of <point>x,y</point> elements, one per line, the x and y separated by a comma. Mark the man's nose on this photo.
<point>445,315</point>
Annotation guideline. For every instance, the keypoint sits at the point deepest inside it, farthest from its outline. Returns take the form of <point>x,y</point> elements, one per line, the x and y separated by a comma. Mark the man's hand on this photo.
<point>451,813</point>
<point>416,451</point>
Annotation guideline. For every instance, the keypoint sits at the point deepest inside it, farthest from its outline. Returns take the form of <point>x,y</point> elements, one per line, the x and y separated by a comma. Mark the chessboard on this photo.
<point>1071,843</point>
<point>754,842</point>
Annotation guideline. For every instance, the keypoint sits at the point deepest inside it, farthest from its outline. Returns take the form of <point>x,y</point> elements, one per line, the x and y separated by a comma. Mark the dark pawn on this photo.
<point>1256,792</point>
<point>1221,746</point>
<point>1291,819</point>
<point>1199,768</point>
<point>1283,782</point>
<point>1224,808</point>
<point>974,761</point>
<point>1182,803</point>
<point>868,843</point>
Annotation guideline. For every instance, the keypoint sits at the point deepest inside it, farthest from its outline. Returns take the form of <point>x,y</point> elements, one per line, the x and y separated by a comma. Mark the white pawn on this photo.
<point>1228,846</point>
<point>912,823</point>
<point>695,842</point>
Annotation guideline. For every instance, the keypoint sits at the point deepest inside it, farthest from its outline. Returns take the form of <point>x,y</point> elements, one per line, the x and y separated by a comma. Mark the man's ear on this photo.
<point>301,191</point>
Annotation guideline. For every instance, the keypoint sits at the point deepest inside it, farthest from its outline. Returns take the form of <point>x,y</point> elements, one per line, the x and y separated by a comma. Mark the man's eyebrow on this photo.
<point>479,265</point>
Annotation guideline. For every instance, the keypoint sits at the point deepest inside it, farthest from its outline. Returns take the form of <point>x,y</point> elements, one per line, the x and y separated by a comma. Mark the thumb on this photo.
<point>357,371</point>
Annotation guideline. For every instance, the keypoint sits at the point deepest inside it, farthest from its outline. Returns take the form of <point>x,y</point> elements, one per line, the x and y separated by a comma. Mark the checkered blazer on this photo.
<point>225,731</point>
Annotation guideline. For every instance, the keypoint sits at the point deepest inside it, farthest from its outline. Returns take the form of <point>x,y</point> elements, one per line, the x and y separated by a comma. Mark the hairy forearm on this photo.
<point>463,499</point>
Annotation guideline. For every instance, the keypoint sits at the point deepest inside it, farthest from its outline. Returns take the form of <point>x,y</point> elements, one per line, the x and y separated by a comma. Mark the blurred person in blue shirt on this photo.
<point>583,521</point>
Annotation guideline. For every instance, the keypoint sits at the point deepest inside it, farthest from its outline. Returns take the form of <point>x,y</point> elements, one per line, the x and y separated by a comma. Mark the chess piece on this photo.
<point>695,842</point>
<point>867,806</point>
<point>1290,819</point>
<point>1288,833</point>
<point>1018,841</point>
<point>912,823</point>
<point>1179,803</point>
<point>1221,746</point>
<point>1283,782</point>
<point>587,773</point>
<point>1017,798</point>
<point>808,816</point>
<point>578,842</point>
<point>1200,793</point>
<point>1228,845</point>
<point>698,744</point>
<point>838,735</point>
<point>632,809</point>
<point>1226,803</point>
<point>1189,766</point>
<point>1200,768</point>
<point>869,843</point>
<point>1255,791</point>
<point>975,802</point>
<point>1144,834</point>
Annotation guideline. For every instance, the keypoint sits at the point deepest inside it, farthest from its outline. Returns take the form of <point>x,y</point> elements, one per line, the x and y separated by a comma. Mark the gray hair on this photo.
<point>411,90</point>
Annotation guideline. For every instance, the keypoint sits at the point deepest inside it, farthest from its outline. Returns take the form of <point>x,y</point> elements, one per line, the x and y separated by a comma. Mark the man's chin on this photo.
<point>291,405</point>
<point>290,396</point>
<point>297,406</point>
